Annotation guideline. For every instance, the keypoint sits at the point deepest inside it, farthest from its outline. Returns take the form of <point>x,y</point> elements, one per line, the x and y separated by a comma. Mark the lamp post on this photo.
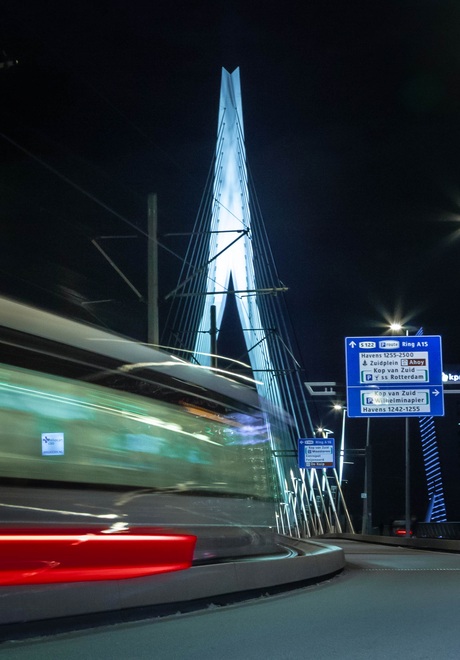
<point>338,406</point>
<point>325,486</point>
<point>367,495</point>
<point>398,328</point>
<point>324,434</point>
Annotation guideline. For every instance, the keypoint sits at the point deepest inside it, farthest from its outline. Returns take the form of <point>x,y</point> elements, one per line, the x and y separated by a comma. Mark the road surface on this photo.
<point>390,602</point>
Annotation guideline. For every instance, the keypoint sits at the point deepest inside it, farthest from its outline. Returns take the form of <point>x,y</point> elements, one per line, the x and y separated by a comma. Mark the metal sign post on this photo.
<point>394,377</point>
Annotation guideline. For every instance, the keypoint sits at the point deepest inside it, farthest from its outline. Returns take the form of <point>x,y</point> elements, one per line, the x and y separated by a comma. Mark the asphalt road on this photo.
<point>390,602</point>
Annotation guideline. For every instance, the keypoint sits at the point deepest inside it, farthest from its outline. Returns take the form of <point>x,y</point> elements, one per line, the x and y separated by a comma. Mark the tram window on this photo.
<point>45,356</point>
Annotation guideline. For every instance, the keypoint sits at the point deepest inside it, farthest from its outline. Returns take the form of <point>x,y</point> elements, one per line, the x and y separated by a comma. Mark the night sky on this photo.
<point>352,121</point>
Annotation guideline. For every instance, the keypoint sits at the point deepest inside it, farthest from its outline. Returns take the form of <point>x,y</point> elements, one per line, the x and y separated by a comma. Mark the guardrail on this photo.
<point>438,530</point>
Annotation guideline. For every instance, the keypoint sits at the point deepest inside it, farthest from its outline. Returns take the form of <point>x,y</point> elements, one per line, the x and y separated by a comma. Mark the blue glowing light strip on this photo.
<point>437,510</point>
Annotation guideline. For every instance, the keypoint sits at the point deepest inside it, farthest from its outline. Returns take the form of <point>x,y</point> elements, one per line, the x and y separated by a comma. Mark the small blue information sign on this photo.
<point>316,453</point>
<point>397,376</point>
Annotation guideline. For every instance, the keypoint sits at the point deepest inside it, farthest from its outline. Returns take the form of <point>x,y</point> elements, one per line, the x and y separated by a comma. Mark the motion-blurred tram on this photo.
<point>98,430</point>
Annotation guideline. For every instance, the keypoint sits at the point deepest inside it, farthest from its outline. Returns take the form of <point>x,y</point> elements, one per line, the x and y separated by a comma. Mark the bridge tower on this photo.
<point>230,256</point>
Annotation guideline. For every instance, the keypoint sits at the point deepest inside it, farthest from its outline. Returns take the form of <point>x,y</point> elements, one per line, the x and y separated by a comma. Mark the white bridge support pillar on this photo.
<point>230,248</point>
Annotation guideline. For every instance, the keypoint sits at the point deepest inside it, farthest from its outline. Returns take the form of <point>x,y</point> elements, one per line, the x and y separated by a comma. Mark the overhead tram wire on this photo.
<point>84,80</point>
<point>201,247</point>
<point>84,192</point>
<point>82,161</point>
<point>129,121</point>
<point>51,292</point>
<point>93,198</point>
<point>196,254</point>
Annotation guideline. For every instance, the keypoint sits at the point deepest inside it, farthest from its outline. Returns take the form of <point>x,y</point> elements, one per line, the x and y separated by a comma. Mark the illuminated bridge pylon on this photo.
<point>229,255</point>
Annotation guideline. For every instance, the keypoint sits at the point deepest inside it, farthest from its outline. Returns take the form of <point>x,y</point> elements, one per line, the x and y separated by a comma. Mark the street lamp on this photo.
<point>325,484</point>
<point>367,499</point>
<point>338,406</point>
<point>395,327</point>
<point>324,434</point>
<point>398,327</point>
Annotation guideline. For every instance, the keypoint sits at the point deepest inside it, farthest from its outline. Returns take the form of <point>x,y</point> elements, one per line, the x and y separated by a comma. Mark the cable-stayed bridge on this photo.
<point>229,259</point>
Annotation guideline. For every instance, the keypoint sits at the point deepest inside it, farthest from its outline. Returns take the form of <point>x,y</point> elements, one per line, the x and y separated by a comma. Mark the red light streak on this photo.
<point>45,556</point>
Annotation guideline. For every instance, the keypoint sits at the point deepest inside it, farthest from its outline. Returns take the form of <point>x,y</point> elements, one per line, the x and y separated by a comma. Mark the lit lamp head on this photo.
<point>324,432</point>
<point>396,327</point>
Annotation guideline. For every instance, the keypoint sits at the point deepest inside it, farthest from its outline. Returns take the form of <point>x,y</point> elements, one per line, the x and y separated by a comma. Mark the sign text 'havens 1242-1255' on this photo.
<point>396,377</point>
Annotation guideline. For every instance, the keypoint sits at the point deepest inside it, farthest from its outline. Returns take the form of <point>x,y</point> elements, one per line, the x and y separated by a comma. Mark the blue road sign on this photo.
<point>316,453</point>
<point>394,376</point>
